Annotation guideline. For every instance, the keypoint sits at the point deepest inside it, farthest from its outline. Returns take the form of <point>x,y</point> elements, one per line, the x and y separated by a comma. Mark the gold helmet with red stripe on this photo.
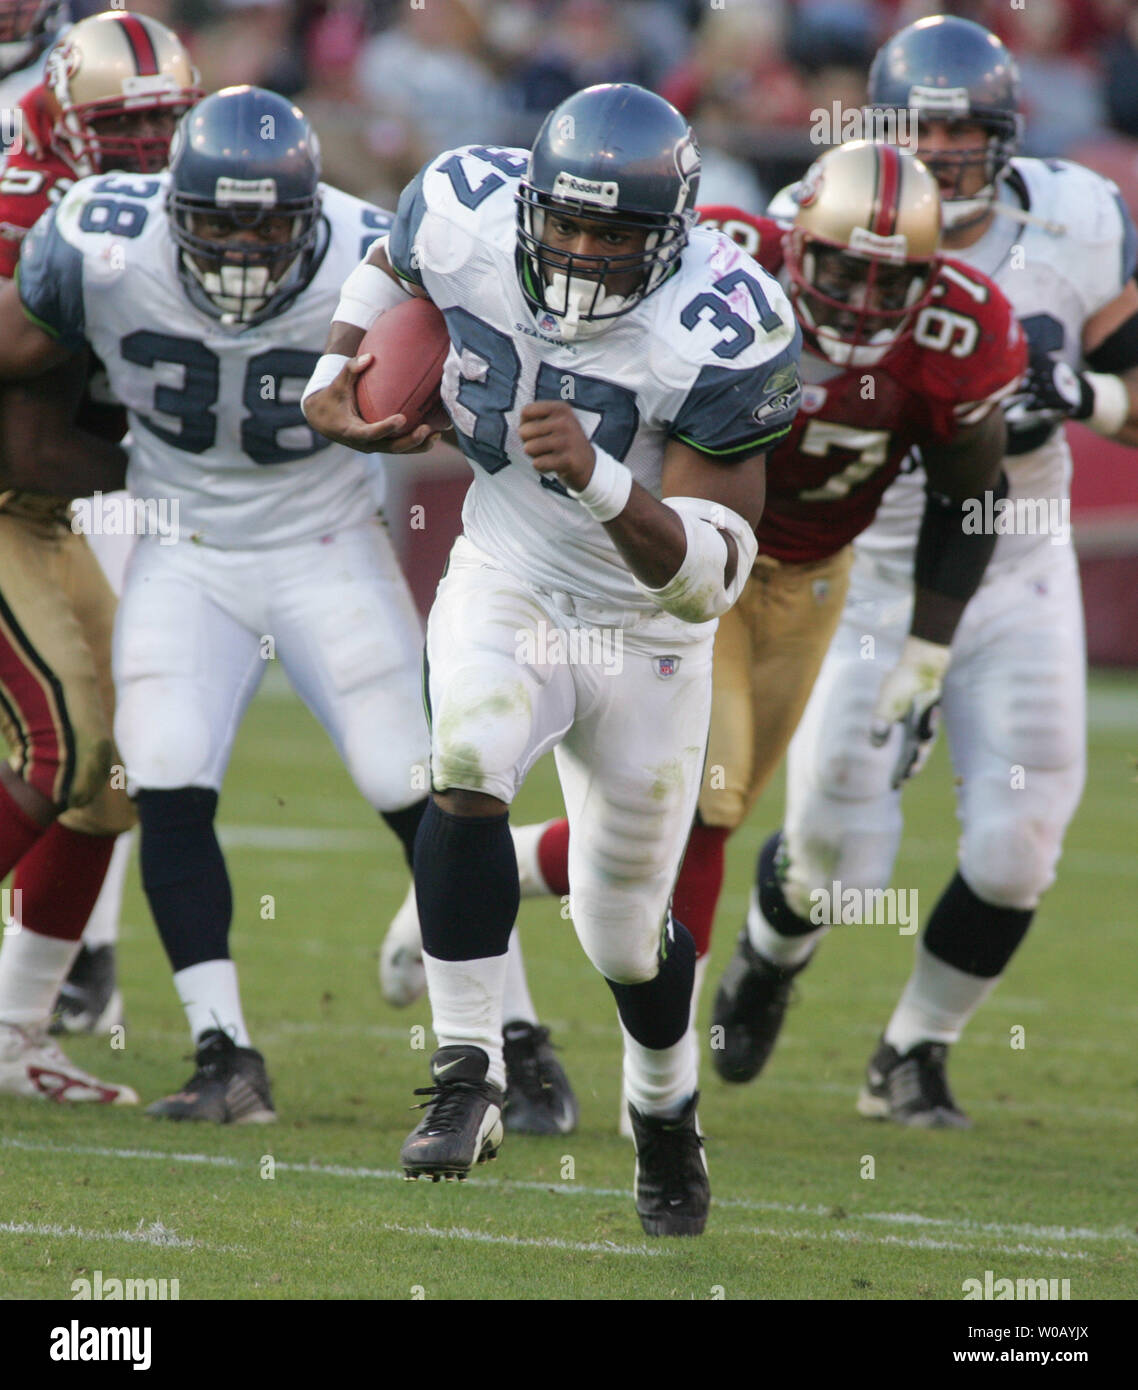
<point>862,252</point>
<point>117,84</point>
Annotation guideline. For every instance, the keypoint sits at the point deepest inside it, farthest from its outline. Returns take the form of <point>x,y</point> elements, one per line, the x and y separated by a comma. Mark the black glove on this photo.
<point>1051,391</point>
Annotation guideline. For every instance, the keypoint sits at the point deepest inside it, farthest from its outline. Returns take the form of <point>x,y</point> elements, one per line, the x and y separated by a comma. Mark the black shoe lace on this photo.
<point>214,1062</point>
<point>449,1106</point>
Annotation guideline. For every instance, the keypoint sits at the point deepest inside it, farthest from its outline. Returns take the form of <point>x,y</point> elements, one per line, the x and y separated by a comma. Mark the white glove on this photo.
<point>910,696</point>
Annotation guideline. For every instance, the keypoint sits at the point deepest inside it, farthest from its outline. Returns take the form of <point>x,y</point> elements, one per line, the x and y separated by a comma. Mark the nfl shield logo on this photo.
<point>666,666</point>
<point>548,323</point>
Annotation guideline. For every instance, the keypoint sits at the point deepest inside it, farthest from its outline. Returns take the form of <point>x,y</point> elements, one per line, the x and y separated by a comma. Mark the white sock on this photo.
<point>625,1124</point>
<point>32,968</point>
<point>697,986</point>
<point>660,1081</point>
<point>211,999</point>
<point>772,945</point>
<point>936,1003</point>
<point>102,927</point>
<point>526,840</point>
<point>517,1006</point>
<point>404,926</point>
<point>466,1006</point>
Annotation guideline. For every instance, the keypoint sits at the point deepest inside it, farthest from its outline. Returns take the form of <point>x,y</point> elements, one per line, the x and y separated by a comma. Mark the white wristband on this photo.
<point>324,373</point>
<point>606,493</point>
<point>1112,402</point>
<point>365,294</point>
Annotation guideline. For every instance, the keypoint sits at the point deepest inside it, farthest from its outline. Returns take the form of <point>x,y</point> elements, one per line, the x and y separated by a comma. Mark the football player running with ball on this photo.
<point>902,349</point>
<point>1061,245</point>
<point>207,291</point>
<point>615,381</point>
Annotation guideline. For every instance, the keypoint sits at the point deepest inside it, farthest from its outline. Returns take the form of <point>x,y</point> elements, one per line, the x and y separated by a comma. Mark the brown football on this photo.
<point>410,344</point>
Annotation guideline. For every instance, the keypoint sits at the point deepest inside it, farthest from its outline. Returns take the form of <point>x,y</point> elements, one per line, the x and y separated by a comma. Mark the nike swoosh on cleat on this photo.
<point>439,1070</point>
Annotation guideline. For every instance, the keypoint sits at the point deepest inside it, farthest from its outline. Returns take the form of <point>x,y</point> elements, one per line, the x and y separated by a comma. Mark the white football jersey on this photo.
<point>214,409</point>
<point>1056,277</point>
<point>709,358</point>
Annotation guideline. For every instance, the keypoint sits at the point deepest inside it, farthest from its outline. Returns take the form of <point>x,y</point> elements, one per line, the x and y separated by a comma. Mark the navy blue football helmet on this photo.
<point>951,69</point>
<point>615,155</point>
<point>244,204</point>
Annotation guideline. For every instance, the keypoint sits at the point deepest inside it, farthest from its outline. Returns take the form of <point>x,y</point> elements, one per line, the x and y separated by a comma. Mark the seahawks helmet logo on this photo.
<point>685,154</point>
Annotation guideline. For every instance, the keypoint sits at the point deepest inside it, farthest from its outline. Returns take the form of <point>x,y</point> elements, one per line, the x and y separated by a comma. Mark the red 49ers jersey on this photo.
<point>33,178</point>
<point>855,426</point>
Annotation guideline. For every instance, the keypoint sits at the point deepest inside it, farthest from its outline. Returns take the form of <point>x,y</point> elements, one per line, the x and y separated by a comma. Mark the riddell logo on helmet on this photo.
<point>882,248</point>
<point>941,101</point>
<point>258,192</point>
<point>604,193</point>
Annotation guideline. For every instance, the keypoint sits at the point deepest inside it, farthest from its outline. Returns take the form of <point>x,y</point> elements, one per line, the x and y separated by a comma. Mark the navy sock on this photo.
<point>972,935</point>
<point>657,1013</point>
<point>405,824</point>
<point>772,901</point>
<point>466,884</point>
<point>184,874</point>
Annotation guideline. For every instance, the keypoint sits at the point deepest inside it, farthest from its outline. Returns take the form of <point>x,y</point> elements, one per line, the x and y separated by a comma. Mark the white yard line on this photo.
<point>302,839</point>
<point>962,1229</point>
<point>848,1237</point>
<point>154,1234</point>
<point>604,1247</point>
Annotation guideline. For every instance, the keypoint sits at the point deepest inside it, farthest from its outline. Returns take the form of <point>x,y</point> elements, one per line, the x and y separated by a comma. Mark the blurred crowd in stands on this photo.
<point>389,83</point>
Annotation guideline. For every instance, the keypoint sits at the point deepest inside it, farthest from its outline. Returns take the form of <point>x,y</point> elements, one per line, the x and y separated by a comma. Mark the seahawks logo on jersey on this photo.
<point>782,391</point>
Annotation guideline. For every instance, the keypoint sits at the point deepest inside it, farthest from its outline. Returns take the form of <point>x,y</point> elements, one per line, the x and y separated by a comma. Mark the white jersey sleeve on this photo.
<point>1057,271</point>
<point>1093,246</point>
<point>214,408</point>
<point>709,358</point>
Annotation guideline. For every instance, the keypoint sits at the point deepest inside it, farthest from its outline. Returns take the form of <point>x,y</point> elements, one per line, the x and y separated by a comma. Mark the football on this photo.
<point>409,344</point>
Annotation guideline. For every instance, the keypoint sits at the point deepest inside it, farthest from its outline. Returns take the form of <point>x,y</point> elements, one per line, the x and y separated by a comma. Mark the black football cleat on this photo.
<point>911,1089</point>
<point>463,1123</point>
<point>229,1087</point>
<point>750,1005</point>
<point>539,1099</point>
<point>673,1194</point>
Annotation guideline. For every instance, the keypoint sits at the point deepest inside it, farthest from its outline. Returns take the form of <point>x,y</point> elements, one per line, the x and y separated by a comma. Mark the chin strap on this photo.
<point>238,291</point>
<point>566,297</point>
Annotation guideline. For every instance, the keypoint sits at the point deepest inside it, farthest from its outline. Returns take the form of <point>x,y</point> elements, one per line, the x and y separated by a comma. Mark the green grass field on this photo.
<point>315,1207</point>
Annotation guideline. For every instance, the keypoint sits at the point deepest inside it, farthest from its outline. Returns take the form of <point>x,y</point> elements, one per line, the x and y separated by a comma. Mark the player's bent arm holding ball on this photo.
<point>694,557</point>
<point>329,402</point>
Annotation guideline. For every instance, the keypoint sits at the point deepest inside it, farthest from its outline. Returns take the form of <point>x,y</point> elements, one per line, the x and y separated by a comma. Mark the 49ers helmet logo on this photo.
<point>811,185</point>
<point>62,63</point>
